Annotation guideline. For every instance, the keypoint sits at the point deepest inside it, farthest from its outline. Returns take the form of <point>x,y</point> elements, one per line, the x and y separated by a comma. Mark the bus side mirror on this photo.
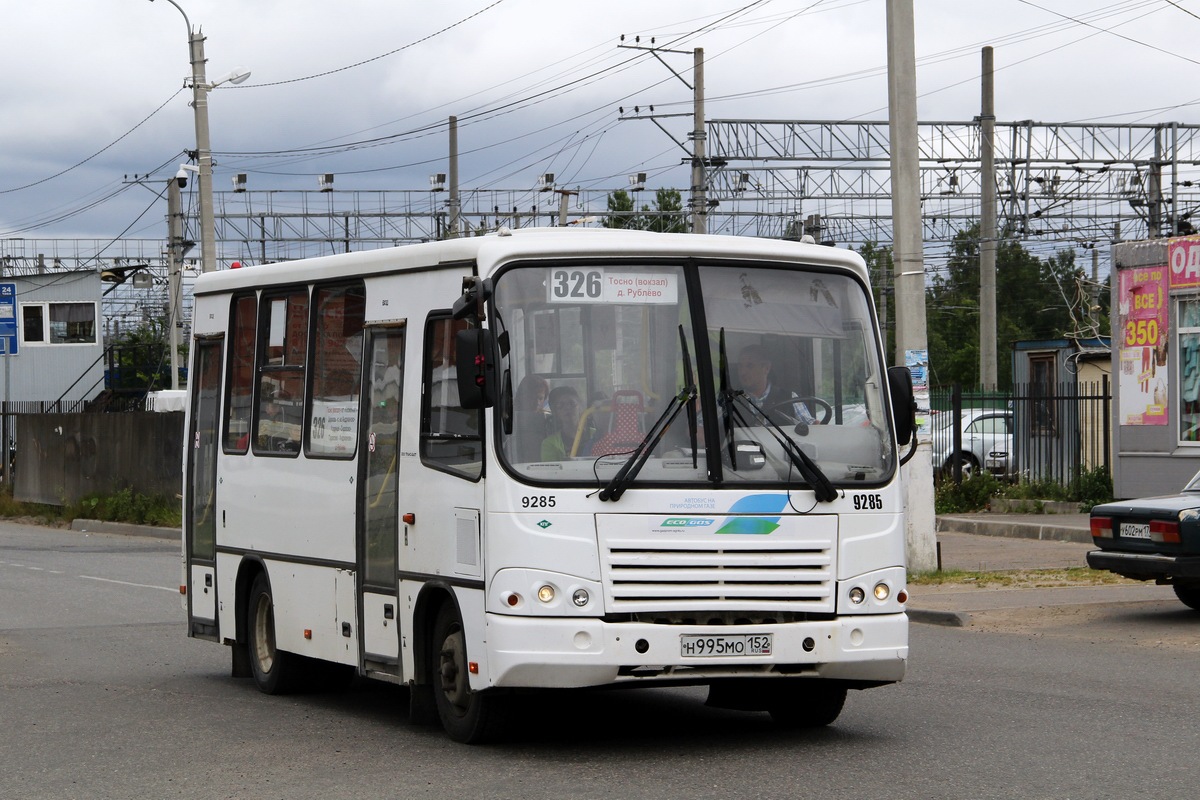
<point>476,367</point>
<point>904,404</point>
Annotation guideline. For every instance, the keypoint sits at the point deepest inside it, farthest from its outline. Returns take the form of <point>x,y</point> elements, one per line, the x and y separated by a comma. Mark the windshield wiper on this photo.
<point>808,469</point>
<point>726,395</point>
<point>633,465</point>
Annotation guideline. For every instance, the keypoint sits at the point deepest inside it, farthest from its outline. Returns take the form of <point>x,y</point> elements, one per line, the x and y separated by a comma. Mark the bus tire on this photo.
<point>275,671</point>
<point>467,716</point>
<point>808,705</point>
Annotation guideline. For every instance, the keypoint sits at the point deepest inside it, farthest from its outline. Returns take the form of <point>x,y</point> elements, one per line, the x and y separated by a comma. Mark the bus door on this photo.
<point>202,443</point>
<point>379,463</point>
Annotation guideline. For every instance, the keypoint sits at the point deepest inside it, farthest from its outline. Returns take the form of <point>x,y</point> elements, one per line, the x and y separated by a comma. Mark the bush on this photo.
<point>973,495</point>
<point>1092,487</point>
<point>129,506</point>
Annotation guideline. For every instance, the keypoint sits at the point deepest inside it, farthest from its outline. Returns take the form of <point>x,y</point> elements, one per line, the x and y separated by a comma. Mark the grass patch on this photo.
<point>1017,578</point>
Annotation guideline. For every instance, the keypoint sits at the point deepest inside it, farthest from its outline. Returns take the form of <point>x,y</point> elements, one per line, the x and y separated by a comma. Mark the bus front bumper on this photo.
<point>573,653</point>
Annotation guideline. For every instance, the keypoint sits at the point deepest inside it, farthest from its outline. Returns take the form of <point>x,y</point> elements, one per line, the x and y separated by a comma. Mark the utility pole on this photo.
<point>911,337</point>
<point>174,257</point>
<point>988,368</point>
<point>699,176</point>
<point>454,206</point>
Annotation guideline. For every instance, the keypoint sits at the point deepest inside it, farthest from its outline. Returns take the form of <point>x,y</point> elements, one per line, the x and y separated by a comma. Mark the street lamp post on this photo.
<point>200,90</point>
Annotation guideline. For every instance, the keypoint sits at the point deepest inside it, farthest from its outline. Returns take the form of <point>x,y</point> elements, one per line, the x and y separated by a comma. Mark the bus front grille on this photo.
<point>704,577</point>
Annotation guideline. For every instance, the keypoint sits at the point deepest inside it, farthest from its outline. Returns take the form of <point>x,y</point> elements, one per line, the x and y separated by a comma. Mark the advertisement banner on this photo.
<point>1183,254</point>
<point>1142,313</point>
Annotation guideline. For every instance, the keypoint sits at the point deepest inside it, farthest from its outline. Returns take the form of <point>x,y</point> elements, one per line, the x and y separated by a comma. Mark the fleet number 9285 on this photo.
<point>868,502</point>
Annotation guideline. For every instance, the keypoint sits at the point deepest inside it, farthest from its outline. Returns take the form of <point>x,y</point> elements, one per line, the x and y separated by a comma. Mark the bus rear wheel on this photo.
<point>275,671</point>
<point>467,716</point>
<point>809,705</point>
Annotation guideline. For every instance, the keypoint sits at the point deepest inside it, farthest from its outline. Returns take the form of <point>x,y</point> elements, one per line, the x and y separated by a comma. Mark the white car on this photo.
<point>986,442</point>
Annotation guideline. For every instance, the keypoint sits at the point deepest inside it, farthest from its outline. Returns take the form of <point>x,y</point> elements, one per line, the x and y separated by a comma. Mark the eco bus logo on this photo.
<point>755,504</point>
<point>687,522</point>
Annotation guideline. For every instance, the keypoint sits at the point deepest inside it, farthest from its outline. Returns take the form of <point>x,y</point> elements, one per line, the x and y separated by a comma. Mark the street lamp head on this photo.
<point>239,75</point>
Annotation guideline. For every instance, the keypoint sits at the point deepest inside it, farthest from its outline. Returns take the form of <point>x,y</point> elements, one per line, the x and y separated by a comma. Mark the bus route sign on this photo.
<point>8,319</point>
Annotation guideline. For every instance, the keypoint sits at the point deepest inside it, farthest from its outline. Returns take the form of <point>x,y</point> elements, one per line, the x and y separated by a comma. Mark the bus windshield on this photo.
<point>763,372</point>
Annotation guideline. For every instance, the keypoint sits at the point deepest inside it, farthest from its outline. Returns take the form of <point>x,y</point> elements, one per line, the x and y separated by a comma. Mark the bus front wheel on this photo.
<point>275,671</point>
<point>466,715</point>
<point>806,705</point>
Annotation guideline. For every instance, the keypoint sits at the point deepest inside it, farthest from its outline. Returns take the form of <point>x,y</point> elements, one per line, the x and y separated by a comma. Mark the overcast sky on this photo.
<point>93,88</point>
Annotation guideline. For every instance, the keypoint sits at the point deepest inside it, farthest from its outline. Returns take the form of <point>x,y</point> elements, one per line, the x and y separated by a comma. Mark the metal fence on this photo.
<point>1035,432</point>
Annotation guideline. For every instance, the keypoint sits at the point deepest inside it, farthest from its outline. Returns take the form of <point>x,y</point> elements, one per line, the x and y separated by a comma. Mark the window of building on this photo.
<point>58,323</point>
<point>1188,338</point>
<point>1042,398</point>
<point>451,436</point>
<point>337,370</point>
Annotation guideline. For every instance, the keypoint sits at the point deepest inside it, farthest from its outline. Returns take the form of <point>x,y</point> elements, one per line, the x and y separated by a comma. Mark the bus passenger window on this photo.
<point>337,370</point>
<point>451,437</point>
<point>240,379</point>
<point>283,349</point>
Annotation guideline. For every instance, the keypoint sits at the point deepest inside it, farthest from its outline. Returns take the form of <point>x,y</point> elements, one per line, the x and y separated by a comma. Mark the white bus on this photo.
<point>550,458</point>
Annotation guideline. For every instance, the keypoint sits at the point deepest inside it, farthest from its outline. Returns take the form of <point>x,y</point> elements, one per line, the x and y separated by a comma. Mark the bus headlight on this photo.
<point>539,592</point>
<point>880,591</point>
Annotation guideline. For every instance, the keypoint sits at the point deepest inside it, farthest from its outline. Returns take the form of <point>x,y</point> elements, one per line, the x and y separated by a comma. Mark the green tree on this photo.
<point>666,215</point>
<point>1036,299</point>
<point>621,212</point>
<point>879,267</point>
<point>141,358</point>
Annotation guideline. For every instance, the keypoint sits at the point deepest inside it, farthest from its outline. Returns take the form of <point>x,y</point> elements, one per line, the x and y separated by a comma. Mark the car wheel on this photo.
<point>968,465</point>
<point>1188,595</point>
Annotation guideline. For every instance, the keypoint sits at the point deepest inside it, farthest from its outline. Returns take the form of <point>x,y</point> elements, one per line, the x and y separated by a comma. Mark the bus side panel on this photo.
<point>872,541</point>
<point>304,595</point>
<point>301,507</point>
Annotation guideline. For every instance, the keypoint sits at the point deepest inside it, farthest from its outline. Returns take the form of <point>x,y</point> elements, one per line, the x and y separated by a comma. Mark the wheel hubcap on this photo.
<point>264,635</point>
<point>451,670</point>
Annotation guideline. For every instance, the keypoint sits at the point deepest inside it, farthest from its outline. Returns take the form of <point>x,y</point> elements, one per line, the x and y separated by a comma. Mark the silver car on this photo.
<point>986,442</point>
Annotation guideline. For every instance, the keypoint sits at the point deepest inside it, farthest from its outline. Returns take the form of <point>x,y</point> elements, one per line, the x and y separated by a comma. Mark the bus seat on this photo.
<point>625,424</point>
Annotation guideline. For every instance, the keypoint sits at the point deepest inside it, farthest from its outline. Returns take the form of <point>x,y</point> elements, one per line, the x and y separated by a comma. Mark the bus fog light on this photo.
<point>580,598</point>
<point>882,590</point>
<point>857,595</point>
<point>546,593</point>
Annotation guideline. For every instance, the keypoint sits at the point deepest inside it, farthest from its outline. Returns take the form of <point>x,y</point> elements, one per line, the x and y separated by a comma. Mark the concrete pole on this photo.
<point>699,202</point>
<point>208,238</point>
<point>988,367</point>
<point>454,209</point>
<point>174,255</point>
<point>920,538</point>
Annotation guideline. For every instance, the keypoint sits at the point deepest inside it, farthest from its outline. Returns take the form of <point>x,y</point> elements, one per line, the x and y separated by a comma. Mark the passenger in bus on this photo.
<point>754,377</point>
<point>531,423</point>
<point>565,408</point>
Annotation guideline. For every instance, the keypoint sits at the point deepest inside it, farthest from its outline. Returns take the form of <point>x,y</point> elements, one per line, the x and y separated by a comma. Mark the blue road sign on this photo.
<point>8,319</point>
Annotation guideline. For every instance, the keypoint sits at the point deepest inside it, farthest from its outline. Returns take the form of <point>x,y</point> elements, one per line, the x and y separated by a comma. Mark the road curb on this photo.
<point>948,619</point>
<point>125,529</point>
<point>1050,530</point>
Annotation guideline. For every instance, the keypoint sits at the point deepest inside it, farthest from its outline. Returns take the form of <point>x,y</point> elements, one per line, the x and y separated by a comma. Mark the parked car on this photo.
<point>986,442</point>
<point>1152,538</point>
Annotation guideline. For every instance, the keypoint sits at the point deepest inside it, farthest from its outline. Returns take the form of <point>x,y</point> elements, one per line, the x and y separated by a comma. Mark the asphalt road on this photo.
<point>103,696</point>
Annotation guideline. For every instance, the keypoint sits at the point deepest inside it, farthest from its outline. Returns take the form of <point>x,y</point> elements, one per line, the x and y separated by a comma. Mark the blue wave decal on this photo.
<point>760,504</point>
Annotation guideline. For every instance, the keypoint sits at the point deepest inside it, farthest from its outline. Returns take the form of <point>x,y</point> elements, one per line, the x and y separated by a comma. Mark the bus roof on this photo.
<point>495,249</point>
